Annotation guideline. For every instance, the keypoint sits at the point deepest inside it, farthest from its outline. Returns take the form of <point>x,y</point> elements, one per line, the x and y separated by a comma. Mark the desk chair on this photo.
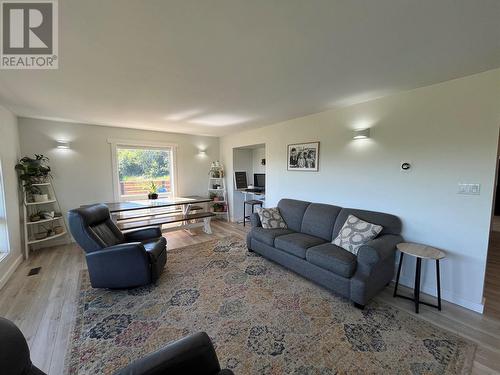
<point>252,203</point>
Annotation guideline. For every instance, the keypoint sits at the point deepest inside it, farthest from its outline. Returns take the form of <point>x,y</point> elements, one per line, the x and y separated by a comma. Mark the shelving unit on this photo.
<point>31,228</point>
<point>220,193</point>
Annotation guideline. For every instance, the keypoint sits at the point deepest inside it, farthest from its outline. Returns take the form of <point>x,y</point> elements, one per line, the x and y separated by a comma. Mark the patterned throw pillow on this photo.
<point>355,233</point>
<point>270,218</point>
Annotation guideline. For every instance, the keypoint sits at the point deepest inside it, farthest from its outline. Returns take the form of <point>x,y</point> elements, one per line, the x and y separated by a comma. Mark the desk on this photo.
<point>254,193</point>
<point>260,195</point>
<point>149,204</point>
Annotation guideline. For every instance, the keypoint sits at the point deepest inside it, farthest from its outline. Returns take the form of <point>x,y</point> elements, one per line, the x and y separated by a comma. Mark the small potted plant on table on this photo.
<point>153,191</point>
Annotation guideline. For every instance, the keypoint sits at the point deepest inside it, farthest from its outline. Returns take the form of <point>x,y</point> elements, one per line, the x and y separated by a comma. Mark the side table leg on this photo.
<point>399,274</point>
<point>417,284</point>
<point>438,278</point>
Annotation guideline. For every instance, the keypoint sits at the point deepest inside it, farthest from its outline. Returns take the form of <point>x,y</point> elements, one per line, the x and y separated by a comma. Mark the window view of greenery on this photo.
<point>139,168</point>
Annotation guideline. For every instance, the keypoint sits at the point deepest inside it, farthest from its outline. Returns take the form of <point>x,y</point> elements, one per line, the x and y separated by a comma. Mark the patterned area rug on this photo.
<point>262,318</point>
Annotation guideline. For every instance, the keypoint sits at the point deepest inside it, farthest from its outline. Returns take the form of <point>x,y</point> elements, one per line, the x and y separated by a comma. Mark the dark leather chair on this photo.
<point>193,354</point>
<point>14,352</point>
<point>115,259</point>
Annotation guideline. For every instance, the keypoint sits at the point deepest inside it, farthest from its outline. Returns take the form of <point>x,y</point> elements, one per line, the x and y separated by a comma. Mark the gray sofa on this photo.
<point>305,247</point>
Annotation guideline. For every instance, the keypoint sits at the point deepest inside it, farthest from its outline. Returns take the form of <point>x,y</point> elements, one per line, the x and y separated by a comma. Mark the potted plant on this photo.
<point>153,190</point>
<point>218,207</point>
<point>216,170</point>
<point>212,196</point>
<point>34,171</point>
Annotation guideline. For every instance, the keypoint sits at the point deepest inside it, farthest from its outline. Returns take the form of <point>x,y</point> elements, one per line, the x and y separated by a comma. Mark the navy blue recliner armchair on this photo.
<point>193,354</point>
<point>115,259</point>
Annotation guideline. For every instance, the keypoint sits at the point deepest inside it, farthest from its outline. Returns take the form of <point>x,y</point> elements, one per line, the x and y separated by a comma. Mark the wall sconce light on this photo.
<point>202,153</point>
<point>361,134</point>
<point>63,145</point>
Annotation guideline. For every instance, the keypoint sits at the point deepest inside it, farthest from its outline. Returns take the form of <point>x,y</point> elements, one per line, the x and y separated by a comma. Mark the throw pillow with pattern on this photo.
<point>355,233</point>
<point>271,218</point>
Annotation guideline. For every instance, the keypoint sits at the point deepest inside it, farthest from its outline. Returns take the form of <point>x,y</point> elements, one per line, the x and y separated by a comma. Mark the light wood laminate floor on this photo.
<point>492,278</point>
<point>44,305</point>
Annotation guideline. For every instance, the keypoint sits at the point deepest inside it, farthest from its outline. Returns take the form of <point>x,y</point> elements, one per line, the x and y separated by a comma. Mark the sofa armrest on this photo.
<point>378,249</point>
<point>193,354</point>
<point>120,266</point>
<point>143,234</point>
<point>255,220</point>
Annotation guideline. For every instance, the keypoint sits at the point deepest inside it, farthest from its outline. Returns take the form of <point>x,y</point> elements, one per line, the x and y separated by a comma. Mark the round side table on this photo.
<point>420,252</point>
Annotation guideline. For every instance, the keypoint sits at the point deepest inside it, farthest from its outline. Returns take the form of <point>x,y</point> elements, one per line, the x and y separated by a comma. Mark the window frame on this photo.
<point>4,247</point>
<point>124,143</point>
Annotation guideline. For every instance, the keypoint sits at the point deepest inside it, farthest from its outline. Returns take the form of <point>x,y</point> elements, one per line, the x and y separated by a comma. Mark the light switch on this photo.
<point>469,189</point>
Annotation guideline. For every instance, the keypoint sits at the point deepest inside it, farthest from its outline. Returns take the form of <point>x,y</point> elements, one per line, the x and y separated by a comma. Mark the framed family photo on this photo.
<point>303,157</point>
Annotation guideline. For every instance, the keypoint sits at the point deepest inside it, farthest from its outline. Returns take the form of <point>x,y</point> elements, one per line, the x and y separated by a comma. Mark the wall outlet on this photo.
<point>469,189</point>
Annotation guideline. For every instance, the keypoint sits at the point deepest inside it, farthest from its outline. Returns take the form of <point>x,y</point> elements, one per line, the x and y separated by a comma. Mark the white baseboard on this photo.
<point>445,295</point>
<point>5,277</point>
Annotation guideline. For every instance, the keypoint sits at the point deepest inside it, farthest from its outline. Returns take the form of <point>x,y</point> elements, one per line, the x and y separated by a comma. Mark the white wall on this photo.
<point>83,174</point>
<point>448,131</point>
<point>9,155</point>
<point>257,155</point>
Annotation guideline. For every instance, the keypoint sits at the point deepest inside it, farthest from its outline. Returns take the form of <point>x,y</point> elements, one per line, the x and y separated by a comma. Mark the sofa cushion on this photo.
<point>319,220</point>
<point>267,236</point>
<point>292,212</point>
<point>270,218</point>
<point>297,243</point>
<point>355,233</point>
<point>332,258</point>
<point>391,223</point>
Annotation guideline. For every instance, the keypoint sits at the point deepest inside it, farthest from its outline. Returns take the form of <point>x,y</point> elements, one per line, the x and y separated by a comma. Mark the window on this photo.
<point>4,233</point>
<point>139,167</point>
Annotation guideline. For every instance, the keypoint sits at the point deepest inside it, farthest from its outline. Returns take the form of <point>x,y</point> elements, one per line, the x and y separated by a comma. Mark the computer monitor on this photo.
<point>240,180</point>
<point>259,180</point>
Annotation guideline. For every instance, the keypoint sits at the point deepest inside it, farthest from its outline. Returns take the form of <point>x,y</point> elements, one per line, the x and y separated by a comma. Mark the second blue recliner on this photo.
<point>114,259</point>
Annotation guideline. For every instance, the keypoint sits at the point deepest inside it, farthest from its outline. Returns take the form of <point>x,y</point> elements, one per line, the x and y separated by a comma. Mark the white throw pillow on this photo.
<point>270,218</point>
<point>355,233</point>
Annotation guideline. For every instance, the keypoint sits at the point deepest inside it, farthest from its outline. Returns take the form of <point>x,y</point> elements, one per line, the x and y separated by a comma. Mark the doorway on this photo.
<point>252,161</point>
<point>491,292</point>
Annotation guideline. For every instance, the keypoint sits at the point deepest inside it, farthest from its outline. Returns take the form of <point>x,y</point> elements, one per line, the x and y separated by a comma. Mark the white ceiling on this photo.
<point>218,66</point>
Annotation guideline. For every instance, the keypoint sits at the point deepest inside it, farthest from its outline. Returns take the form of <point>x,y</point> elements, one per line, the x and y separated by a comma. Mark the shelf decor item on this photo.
<point>40,197</point>
<point>43,219</point>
